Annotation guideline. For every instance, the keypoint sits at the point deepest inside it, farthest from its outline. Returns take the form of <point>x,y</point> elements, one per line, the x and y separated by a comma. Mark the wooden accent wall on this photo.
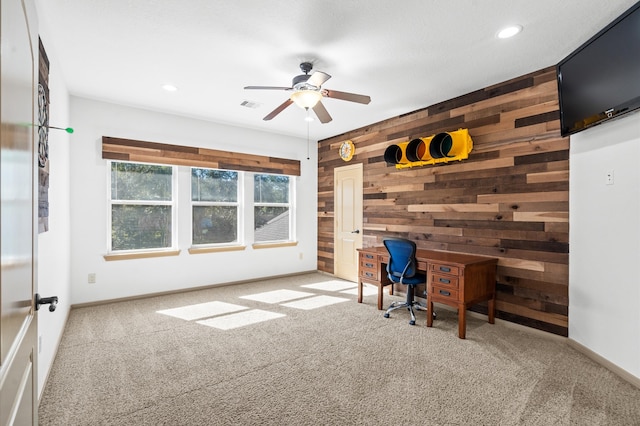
<point>509,200</point>
<point>160,153</point>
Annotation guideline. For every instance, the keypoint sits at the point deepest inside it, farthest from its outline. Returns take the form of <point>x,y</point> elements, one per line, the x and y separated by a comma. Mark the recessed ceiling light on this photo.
<point>510,31</point>
<point>169,87</point>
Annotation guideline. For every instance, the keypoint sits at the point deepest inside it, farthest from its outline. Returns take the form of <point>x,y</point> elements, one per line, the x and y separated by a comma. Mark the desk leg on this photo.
<point>492,310</point>
<point>462,321</point>
<point>359,291</point>
<point>380,287</point>
<point>429,313</point>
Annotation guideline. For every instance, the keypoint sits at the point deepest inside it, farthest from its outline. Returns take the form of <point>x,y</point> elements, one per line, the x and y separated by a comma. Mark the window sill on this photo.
<point>274,245</point>
<point>140,255</point>
<point>200,250</point>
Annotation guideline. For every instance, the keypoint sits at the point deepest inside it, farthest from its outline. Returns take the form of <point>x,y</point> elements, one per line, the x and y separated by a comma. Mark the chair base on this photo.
<point>410,307</point>
<point>409,303</point>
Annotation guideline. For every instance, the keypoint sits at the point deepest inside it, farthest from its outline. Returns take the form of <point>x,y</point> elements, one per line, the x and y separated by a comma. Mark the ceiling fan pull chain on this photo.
<point>308,143</point>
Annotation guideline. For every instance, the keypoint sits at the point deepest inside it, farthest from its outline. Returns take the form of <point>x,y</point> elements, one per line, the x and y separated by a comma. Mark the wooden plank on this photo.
<point>469,243</point>
<point>561,320</point>
<point>556,176</point>
<point>148,145</point>
<point>524,197</point>
<point>452,207</point>
<point>537,255</point>
<point>107,147</point>
<point>541,216</point>
<point>522,264</point>
<point>406,187</point>
<point>517,234</point>
<point>158,153</point>
<point>552,206</point>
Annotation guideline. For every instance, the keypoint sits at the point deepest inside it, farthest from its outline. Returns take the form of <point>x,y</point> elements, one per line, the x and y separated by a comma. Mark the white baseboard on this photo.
<point>55,354</point>
<point>624,374</point>
<point>184,290</point>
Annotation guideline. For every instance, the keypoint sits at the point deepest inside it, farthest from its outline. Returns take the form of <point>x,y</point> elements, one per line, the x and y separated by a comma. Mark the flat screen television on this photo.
<point>600,81</point>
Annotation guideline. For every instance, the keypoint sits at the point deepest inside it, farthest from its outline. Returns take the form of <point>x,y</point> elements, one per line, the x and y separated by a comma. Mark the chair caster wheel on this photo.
<point>386,315</point>
<point>412,323</point>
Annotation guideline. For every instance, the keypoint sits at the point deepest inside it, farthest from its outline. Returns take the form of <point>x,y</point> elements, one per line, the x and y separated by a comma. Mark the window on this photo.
<point>142,206</point>
<point>272,208</point>
<point>215,207</point>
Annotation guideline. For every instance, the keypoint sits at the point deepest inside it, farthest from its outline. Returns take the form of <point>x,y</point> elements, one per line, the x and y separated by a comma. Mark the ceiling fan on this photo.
<point>308,92</point>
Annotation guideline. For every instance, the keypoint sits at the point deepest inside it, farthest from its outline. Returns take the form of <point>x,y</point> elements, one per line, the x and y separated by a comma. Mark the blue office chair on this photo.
<point>402,268</point>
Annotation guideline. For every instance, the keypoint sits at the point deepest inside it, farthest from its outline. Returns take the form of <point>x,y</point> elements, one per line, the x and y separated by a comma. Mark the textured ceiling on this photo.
<point>405,54</point>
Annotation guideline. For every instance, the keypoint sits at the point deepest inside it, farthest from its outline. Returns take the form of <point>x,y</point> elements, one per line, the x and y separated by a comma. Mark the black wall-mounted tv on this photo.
<point>600,81</point>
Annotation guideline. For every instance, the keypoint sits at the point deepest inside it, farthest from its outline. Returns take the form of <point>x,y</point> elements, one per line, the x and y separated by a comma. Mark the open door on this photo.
<point>18,325</point>
<point>348,220</point>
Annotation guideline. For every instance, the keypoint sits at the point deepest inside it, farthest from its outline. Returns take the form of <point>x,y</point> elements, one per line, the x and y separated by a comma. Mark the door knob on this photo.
<point>51,301</point>
<point>357,231</point>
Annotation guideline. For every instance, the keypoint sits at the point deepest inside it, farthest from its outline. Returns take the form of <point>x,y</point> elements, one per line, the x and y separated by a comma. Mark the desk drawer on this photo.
<point>445,281</point>
<point>372,257</point>
<point>369,275</point>
<point>369,270</point>
<point>443,268</point>
<point>369,266</point>
<point>444,293</point>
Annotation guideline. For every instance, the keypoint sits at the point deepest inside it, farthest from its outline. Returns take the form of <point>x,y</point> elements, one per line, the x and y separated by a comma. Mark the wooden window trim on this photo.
<point>176,155</point>
<point>140,255</point>
<point>274,245</point>
<point>201,250</point>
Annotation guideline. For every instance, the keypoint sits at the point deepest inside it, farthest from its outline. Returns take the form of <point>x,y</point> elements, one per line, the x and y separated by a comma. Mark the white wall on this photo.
<point>54,246</point>
<point>89,232</point>
<point>604,260</point>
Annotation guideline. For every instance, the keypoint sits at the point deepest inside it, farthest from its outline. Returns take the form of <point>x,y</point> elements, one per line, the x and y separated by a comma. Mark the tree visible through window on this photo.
<point>271,195</point>
<point>141,206</point>
<point>215,209</point>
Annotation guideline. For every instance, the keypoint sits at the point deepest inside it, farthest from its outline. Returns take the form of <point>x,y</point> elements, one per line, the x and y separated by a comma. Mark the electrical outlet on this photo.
<point>300,256</point>
<point>609,177</point>
<point>92,278</point>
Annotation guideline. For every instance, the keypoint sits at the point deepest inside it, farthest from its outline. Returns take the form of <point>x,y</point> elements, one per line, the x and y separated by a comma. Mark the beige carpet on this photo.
<point>341,364</point>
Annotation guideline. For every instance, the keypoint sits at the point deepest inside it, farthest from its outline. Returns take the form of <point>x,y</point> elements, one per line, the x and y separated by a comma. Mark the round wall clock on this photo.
<point>347,149</point>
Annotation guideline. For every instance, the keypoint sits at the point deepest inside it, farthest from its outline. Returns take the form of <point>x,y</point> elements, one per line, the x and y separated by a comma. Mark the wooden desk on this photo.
<point>454,279</point>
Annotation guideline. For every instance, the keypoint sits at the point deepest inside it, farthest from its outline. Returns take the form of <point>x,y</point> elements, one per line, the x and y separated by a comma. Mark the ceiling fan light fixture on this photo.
<point>306,98</point>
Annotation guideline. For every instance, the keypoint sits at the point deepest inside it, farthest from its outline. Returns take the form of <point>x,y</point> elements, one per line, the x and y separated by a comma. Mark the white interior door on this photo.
<point>348,220</point>
<point>18,325</point>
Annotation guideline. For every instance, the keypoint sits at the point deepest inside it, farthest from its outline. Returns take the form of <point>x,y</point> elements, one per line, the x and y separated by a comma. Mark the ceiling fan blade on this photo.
<point>278,110</point>
<point>322,113</point>
<point>318,78</point>
<point>267,88</point>
<point>345,96</point>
